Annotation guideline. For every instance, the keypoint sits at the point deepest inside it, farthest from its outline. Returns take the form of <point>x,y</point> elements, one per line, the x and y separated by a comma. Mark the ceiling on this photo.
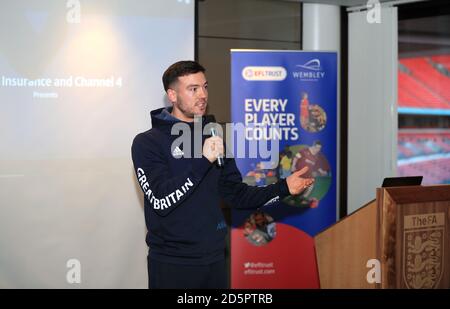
<point>425,35</point>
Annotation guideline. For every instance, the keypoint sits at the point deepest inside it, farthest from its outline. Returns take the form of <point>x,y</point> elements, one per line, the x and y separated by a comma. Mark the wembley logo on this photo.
<point>313,65</point>
<point>263,73</point>
<point>311,71</point>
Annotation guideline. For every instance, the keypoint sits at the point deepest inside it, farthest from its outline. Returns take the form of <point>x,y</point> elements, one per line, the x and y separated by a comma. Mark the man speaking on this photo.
<point>186,230</point>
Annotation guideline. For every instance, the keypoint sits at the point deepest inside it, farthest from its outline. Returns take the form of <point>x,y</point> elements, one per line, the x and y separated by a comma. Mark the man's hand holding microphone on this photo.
<point>213,148</point>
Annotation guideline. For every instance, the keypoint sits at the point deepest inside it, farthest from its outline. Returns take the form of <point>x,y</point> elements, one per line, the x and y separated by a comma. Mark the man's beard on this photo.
<point>187,112</point>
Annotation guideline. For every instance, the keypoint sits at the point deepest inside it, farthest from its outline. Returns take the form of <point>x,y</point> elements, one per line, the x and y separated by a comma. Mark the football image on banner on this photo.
<point>287,102</point>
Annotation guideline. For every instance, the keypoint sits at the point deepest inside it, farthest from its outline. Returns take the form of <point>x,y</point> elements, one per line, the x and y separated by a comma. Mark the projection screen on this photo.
<point>77,82</point>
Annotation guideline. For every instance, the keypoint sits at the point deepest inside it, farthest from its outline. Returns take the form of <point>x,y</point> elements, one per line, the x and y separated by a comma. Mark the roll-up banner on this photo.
<point>284,104</point>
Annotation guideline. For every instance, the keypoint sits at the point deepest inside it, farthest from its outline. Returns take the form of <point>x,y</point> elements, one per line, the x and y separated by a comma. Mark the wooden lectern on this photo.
<point>403,236</point>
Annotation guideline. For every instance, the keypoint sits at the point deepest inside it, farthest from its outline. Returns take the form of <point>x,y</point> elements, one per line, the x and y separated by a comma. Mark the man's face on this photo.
<point>316,149</point>
<point>189,96</point>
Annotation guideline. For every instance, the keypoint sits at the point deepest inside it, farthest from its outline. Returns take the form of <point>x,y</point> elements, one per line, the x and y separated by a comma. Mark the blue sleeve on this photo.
<point>161,188</point>
<point>240,195</point>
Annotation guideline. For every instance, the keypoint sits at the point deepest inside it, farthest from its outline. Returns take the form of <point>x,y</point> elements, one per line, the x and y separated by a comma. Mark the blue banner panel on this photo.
<point>286,104</point>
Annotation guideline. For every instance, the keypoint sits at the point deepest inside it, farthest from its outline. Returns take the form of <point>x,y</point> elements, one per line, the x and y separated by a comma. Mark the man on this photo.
<point>286,164</point>
<point>186,228</point>
<point>317,166</point>
<point>264,225</point>
<point>317,118</point>
<point>312,117</point>
<point>310,157</point>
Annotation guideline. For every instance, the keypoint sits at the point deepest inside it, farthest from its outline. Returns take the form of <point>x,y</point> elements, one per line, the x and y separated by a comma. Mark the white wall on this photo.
<point>372,105</point>
<point>321,30</point>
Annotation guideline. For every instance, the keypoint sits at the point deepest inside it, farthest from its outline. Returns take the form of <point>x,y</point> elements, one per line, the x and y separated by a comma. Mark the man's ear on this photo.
<point>172,95</point>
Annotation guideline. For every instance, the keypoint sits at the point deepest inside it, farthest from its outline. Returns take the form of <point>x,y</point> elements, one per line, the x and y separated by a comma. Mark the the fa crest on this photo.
<point>423,250</point>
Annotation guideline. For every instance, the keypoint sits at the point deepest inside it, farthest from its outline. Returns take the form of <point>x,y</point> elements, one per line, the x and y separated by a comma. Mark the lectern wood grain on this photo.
<point>344,250</point>
<point>406,229</point>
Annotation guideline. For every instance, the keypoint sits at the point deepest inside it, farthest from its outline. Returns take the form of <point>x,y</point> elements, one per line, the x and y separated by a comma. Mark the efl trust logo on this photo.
<point>310,71</point>
<point>264,73</point>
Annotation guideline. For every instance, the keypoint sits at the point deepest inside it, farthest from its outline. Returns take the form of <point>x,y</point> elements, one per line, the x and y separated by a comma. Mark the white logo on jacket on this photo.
<point>169,199</point>
<point>177,153</point>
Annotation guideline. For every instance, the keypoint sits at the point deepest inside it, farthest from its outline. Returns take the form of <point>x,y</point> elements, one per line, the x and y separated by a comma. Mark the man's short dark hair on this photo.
<point>180,68</point>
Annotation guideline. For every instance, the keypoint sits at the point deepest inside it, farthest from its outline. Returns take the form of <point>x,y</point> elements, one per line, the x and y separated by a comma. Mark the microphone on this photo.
<point>220,160</point>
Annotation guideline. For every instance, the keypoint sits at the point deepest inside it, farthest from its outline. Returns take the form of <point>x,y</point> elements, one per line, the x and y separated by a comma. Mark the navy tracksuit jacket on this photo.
<point>182,195</point>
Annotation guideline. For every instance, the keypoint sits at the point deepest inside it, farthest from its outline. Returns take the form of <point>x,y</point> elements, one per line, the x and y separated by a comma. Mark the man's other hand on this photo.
<point>296,183</point>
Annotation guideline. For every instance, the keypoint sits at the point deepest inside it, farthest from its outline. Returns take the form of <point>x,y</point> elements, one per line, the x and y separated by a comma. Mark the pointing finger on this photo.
<point>302,171</point>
